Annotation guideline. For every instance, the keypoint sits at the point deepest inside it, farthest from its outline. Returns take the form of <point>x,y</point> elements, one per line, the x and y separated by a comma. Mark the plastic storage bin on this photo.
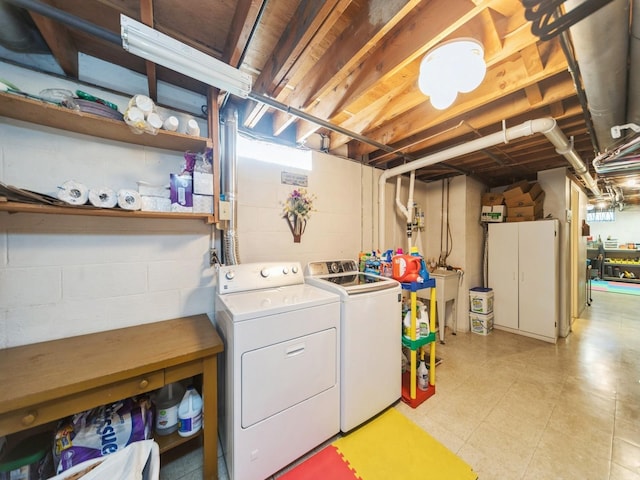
<point>479,323</point>
<point>481,300</point>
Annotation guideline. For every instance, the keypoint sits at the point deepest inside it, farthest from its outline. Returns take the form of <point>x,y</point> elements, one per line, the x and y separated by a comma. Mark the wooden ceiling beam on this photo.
<point>146,17</point>
<point>409,40</point>
<point>60,42</point>
<point>512,45</point>
<point>500,81</point>
<point>487,117</point>
<point>244,20</point>
<point>361,36</point>
<point>312,20</point>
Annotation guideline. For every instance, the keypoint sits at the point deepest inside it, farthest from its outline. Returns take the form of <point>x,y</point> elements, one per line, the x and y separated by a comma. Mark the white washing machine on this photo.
<point>370,345</point>
<point>280,376</point>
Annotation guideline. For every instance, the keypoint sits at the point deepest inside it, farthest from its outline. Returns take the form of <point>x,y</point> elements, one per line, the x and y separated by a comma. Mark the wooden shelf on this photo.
<point>15,207</point>
<point>50,115</point>
<point>168,442</point>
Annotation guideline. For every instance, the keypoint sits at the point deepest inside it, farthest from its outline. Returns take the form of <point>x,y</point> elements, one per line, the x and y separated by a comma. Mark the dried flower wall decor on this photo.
<point>296,211</point>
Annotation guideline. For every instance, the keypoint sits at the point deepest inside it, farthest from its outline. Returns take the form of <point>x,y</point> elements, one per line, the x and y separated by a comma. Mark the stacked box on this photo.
<point>493,209</point>
<point>524,201</point>
<point>480,323</point>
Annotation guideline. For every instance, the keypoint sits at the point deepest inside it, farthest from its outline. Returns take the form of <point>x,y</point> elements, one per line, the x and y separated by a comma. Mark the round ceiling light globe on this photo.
<point>457,64</point>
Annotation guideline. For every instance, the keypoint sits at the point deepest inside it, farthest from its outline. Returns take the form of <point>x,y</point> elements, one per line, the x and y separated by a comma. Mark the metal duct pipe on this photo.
<point>547,126</point>
<point>17,32</point>
<point>68,19</point>
<point>633,93</point>
<point>603,64</point>
<point>229,183</point>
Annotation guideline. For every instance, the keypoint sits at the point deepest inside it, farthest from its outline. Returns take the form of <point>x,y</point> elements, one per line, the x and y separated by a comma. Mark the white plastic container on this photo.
<point>480,323</point>
<point>406,329</point>
<point>423,376</point>
<point>190,413</point>
<point>481,300</point>
<point>167,402</point>
<point>423,320</point>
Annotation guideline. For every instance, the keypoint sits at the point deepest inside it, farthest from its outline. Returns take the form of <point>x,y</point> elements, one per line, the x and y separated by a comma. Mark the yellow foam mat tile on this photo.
<point>391,446</point>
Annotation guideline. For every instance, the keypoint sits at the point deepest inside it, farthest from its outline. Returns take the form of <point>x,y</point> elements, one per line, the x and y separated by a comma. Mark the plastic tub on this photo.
<point>481,300</point>
<point>480,323</point>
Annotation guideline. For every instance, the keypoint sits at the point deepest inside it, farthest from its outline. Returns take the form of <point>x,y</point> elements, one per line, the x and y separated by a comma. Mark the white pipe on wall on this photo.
<point>408,210</point>
<point>546,125</point>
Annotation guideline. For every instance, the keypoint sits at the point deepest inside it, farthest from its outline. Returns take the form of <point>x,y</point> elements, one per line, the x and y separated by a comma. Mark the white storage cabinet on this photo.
<point>524,275</point>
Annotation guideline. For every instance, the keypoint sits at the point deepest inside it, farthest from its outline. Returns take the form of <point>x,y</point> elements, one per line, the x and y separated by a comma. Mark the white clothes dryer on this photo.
<point>370,344</point>
<point>280,378</point>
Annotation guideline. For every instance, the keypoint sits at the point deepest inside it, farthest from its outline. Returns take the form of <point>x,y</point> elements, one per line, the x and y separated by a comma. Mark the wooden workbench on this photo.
<point>46,381</point>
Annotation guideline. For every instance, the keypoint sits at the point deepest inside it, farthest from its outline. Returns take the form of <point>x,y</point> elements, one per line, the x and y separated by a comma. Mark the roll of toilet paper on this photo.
<point>103,197</point>
<point>73,192</point>
<point>129,199</point>
<point>171,123</point>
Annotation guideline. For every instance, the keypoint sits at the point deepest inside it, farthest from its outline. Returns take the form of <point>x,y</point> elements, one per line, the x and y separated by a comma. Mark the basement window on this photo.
<point>273,153</point>
<point>601,214</point>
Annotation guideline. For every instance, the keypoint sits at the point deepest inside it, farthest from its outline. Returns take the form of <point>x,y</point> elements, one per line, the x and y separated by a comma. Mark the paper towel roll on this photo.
<point>129,199</point>
<point>103,197</point>
<point>73,193</point>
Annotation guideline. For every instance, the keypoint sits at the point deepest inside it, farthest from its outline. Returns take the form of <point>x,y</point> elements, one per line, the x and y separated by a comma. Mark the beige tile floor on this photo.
<point>518,408</point>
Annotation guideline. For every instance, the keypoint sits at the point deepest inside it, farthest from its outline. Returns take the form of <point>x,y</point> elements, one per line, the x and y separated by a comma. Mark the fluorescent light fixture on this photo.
<point>451,67</point>
<point>159,48</point>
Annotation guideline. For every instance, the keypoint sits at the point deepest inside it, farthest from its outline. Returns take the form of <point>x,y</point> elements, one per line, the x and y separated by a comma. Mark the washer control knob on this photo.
<point>285,270</point>
<point>335,267</point>
<point>230,275</point>
<point>294,269</point>
<point>264,272</point>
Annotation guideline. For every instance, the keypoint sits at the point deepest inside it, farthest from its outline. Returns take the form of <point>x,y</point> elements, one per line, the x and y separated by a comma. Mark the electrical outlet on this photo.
<point>224,210</point>
<point>213,257</point>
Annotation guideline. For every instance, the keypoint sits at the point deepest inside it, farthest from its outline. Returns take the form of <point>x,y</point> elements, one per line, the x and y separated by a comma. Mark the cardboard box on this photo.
<point>516,189</point>
<point>490,199</point>
<point>534,211</point>
<point>495,213</point>
<point>528,198</point>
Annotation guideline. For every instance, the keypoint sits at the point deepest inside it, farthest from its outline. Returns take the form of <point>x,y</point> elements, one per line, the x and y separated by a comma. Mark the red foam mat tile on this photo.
<point>325,464</point>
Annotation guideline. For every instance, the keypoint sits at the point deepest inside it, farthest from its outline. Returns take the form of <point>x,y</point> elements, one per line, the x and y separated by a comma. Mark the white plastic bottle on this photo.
<point>190,413</point>
<point>423,321</point>
<point>423,375</point>
<point>407,326</point>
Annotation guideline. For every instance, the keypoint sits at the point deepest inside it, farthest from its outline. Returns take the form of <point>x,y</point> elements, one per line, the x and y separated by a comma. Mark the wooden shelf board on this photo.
<point>16,207</point>
<point>50,115</point>
<point>168,442</point>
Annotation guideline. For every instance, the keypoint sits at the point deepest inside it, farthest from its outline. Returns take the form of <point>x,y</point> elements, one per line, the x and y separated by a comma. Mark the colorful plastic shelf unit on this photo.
<point>411,395</point>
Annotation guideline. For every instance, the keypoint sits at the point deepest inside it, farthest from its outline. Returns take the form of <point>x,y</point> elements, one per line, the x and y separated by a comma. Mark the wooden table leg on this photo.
<point>210,416</point>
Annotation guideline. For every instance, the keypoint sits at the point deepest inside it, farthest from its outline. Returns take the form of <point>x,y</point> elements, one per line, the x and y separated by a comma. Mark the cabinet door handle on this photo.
<point>29,418</point>
<point>144,383</point>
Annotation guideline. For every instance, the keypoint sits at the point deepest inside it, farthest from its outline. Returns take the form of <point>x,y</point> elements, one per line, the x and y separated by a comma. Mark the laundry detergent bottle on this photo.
<point>190,413</point>
<point>406,268</point>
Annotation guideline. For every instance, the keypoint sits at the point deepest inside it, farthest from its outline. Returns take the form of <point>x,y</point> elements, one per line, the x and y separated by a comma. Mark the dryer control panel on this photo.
<point>255,276</point>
